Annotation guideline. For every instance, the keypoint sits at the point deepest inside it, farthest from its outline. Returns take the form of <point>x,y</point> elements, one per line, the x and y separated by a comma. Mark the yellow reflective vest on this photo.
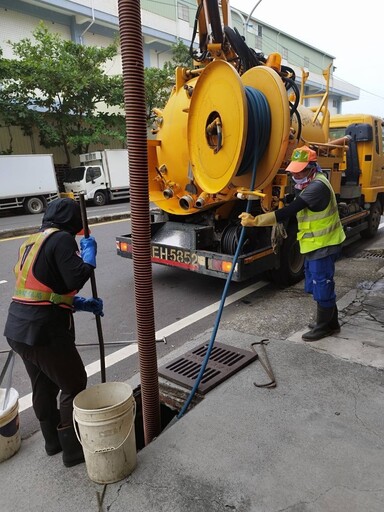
<point>317,230</point>
<point>28,289</point>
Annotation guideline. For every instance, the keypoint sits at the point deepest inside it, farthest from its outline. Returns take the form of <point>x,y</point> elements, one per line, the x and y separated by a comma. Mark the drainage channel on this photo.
<point>371,254</point>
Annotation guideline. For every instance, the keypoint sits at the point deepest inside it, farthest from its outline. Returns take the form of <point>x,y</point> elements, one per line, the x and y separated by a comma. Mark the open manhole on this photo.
<point>223,362</point>
<point>166,415</point>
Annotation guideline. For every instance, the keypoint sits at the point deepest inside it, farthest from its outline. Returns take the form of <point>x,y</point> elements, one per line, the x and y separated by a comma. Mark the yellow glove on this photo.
<point>266,219</point>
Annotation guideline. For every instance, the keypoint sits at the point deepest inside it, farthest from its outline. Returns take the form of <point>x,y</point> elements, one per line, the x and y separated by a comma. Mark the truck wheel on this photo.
<point>291,269</point>
<point>34,205</point>
<point>373,220</point>
<point>99,199</point>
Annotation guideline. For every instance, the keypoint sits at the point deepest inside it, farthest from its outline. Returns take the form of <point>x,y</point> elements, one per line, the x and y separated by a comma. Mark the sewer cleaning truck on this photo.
<point>102,176</point>
<point>226,136</point>
<point>28,182</point>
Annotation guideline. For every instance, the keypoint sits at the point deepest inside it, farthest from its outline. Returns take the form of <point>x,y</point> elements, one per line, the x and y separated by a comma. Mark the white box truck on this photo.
<point>102,176</point>
<point>27,181</point>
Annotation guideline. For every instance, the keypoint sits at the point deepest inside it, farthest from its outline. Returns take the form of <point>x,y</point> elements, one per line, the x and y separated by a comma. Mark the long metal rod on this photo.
<point>94,292</point>
<point>111,343</point>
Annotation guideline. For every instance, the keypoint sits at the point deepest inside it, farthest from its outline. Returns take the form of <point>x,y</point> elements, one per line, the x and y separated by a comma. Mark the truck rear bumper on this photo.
<point>204,262</point>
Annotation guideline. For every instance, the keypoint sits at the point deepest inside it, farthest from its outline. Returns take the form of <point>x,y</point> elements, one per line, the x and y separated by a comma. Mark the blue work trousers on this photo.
<point>319,280</point>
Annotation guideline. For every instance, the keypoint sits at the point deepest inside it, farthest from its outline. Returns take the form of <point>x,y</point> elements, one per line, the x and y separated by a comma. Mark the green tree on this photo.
<point>12,104</point>
<point>181,55</point>
<point>158,82</point>
<point>59,86</point>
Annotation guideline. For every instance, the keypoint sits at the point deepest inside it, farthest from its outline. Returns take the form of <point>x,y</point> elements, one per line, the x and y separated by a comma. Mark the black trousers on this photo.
<point>53,368</point>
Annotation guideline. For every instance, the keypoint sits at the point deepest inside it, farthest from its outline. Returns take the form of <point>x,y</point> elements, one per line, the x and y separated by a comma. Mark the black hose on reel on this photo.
<point>258,134</point>
<point>259,115</point>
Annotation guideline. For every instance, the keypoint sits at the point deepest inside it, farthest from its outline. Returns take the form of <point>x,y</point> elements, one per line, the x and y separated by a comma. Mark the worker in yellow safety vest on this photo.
<point>320,235</point>
<point>49,272</point>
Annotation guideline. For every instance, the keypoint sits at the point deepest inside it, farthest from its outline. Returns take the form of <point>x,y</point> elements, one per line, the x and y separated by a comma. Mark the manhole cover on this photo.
<point>223,362</point>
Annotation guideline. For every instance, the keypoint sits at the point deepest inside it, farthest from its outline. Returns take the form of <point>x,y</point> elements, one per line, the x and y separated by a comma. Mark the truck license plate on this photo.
<point>174,256</point>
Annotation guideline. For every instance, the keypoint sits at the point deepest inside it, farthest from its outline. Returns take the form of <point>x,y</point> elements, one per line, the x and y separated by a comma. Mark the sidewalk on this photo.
<point>315,443</point>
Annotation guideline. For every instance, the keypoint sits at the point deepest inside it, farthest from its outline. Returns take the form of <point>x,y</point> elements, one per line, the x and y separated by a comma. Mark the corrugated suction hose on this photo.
<point>133,75</point>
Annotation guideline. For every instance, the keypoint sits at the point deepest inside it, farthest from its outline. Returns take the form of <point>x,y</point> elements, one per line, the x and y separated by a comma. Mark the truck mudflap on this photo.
<point>204,262</point>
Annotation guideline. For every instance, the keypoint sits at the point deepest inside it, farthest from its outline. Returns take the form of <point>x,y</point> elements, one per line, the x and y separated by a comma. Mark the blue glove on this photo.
<point>91,305</point>
<point>88,250</point>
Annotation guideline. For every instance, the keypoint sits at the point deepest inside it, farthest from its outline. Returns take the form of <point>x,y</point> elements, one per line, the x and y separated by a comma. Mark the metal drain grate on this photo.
<point>223,362</point>
<point>372,253</point>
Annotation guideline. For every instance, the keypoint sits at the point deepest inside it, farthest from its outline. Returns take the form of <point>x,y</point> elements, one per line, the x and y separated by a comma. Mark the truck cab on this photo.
<point>362,168</point>
<point>89,180</point>
<point>102,176</point>
<point>364,161</point>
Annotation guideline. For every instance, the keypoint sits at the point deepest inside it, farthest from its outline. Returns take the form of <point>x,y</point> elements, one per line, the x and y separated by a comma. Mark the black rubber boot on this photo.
<point>326,324</point>
<point>72,450</point>
<point>49,431</point>
<point>334,322</point>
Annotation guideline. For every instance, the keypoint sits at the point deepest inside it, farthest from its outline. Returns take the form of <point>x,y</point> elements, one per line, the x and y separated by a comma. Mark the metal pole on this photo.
<point>250,14</point>
<point>94,292</point>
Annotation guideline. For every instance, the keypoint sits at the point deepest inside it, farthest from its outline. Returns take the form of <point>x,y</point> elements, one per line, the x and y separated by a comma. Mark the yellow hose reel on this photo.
<point>203,136</point>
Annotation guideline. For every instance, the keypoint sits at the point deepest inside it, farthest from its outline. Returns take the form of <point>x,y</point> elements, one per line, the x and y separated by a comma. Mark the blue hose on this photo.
<point>257,140</point>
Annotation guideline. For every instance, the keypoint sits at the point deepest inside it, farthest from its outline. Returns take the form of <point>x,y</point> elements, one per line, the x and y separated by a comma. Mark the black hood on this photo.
<point>64,214</point>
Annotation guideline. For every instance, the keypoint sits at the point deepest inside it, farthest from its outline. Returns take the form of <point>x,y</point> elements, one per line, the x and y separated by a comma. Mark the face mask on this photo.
<point>301,181</point>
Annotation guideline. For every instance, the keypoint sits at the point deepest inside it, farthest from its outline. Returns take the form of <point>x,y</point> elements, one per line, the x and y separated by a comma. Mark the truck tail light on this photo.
<point>226,266</point>
<point>122,246</point>
<point>220,265</point>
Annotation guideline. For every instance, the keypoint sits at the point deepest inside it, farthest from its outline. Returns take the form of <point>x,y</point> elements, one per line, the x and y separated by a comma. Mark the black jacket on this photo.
<point>59,266</point>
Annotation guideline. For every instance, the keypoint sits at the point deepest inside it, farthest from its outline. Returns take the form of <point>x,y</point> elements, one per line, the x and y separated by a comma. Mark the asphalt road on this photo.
<point>177,296</point>
<point>185,305</point>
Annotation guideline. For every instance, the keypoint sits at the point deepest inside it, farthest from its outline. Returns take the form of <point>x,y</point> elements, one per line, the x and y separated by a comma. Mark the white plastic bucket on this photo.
<point>10,439</point>
<point>105,417</point>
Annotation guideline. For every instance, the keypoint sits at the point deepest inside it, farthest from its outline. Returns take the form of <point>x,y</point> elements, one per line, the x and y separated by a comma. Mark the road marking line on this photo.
<point>25,402</point>
<point>3,282</point>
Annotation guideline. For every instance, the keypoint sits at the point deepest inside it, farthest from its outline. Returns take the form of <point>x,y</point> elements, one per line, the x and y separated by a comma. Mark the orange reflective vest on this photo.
<point>28,289</point>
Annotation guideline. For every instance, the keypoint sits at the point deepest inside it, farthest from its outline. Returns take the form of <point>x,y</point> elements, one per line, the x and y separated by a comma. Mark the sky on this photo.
<point>351,31</point>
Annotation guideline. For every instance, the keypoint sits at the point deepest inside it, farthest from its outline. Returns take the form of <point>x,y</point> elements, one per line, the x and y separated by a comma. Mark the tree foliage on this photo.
<point>12,104</point>
<point>181,55</point>
<point>159,82</point>
<point>59,86</point>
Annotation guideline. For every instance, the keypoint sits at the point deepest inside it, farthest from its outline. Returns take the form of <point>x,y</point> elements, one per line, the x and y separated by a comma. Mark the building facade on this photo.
<point>95,22</point>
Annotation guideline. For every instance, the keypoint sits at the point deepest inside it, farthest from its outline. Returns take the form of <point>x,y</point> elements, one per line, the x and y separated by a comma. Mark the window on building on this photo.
<point>183,12</point>
<point>284,53</point>
<point>256,29</point>
<point>306,62</point>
